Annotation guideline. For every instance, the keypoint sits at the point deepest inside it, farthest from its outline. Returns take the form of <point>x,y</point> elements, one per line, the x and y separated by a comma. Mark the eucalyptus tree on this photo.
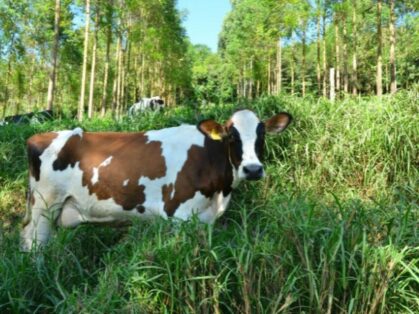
<point>379,66</point>
<point>392,28</point>
<point>80,111</point>
<point>51,84</point>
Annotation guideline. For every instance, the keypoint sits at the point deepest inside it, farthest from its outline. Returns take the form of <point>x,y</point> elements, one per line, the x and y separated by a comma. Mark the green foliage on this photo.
<point>333,227</point>
<point>249,40</point>
<point>209,76</point>
<point>154,52</point>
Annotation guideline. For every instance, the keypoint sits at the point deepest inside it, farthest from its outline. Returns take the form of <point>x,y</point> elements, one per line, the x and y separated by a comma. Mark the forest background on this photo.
<point>102,56</point>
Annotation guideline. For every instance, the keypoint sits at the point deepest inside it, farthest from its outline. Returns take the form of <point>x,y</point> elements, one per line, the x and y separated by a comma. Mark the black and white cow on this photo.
<point>153,103</point>
<point>27,117</point>
<point>78,177</point>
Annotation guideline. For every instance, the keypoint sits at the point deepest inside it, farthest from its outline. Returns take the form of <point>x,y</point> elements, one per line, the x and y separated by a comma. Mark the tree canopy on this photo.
<point>103,55</point>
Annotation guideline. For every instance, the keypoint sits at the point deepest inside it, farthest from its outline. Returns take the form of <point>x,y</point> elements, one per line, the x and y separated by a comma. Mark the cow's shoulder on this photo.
<point>36,146</point>
<point>41,140</point>
<point>47,145</point>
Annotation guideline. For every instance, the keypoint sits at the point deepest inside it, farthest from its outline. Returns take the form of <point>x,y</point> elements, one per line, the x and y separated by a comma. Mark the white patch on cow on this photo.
<point>69,217</point>
<point>175,154</point>
<point>192,206</point>
<point>125,183</point>
<point>78,131</point>
<point>95,176</point>
<point>106,162</point>
<point>154,195</point>
<point>246,122</point>
<point>218,206</point>
<point>207,209</point>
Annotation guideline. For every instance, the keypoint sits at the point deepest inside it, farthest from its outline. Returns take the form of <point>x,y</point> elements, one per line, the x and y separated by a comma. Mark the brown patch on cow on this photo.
<point>167,192</point>
<point>207,170</point>
<point>132,158</point>
<point>36,145</point>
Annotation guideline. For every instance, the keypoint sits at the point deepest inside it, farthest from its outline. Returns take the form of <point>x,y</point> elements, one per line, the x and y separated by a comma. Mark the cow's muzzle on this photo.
<point>253,172</point>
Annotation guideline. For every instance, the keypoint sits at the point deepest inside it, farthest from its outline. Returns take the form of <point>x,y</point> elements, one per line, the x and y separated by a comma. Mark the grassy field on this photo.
<point>332,229</point>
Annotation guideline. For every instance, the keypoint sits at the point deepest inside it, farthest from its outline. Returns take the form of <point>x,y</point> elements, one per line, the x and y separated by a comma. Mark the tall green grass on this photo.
<point>332,229</point>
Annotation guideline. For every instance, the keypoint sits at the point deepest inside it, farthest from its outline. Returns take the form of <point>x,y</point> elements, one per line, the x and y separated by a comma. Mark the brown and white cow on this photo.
<point>78,177</point>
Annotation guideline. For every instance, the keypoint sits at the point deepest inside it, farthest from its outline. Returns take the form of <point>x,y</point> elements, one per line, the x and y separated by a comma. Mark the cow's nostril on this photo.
<point>253,171</point>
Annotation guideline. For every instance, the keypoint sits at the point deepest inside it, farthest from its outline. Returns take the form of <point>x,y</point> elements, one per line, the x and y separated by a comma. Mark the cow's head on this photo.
<point>156,103</point>
<point>245,135</point>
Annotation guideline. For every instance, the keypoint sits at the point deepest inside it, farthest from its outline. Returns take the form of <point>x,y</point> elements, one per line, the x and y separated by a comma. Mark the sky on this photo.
<point>204,20</point>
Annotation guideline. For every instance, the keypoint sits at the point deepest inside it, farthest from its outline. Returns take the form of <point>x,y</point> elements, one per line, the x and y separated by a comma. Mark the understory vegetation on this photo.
<point>333,228</point>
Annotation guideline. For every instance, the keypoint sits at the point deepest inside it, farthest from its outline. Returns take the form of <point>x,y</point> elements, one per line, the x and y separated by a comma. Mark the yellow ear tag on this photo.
<point>215,136</point>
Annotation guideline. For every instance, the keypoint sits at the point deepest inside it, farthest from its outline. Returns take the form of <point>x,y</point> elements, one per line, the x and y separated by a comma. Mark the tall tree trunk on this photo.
<point>8,76</point>
<point>324,56</point>
<point>119,78</point>
<point>257,88</point>
<point>354,52</point>
<point>337,54</point>
<point>107,59</point>
<point>122,88</point>
<point>127,68</point>
<point>332,84</point>
<point>278,68</point>
<point>292,71</point>
<point>83,79</point>
<point>30,85</point>
<point>244,81</point>
<point>135,77</point>
<point>51,83</point>
<point>393,48</point>
<point>345,56</point>
<point>115,80</point>
<point>251,79</point>
<point>142,91</point>
<point>379,76</point>
<point>303,62</point>
<point>93,69</point>
<point>318,70</point>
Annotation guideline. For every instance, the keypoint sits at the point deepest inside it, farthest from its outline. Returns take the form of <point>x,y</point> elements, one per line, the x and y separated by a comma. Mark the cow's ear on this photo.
<point>212,129</point>
<point>278,123</point>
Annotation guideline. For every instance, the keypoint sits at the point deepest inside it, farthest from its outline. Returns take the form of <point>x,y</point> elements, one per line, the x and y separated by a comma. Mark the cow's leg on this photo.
<point>41,214</point>
<point>70,216</point>
<point>218,206</point>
